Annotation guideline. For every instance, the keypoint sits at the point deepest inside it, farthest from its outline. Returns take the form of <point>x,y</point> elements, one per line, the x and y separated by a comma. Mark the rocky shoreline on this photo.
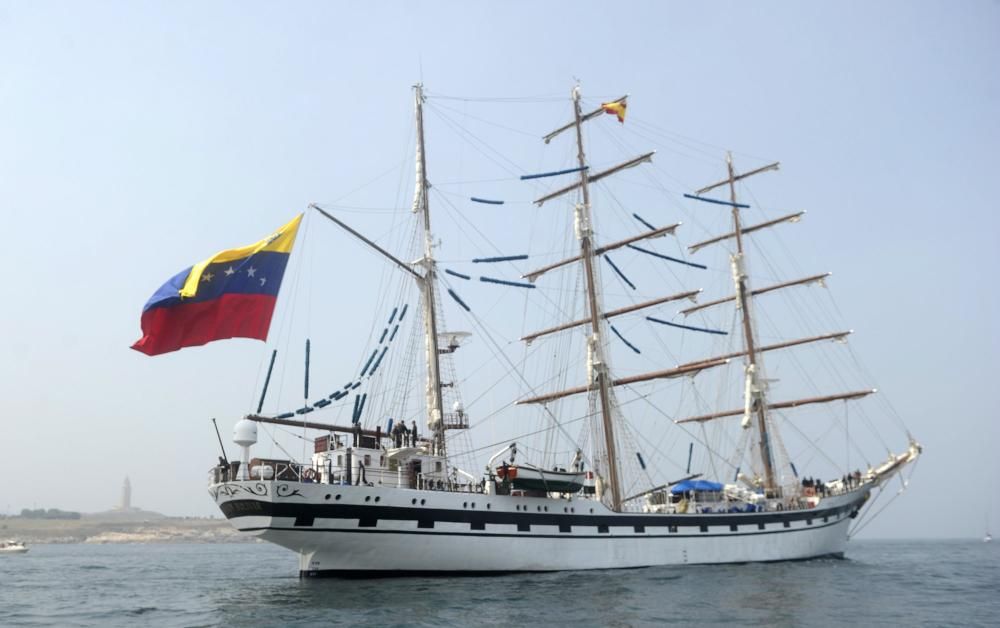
<point>100,530</point>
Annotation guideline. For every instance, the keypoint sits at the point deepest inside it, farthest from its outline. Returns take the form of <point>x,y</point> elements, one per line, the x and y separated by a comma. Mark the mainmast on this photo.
<point>598,377</point>
<point>427,284</point>
<point>754,396</point>
<point>596,366</point>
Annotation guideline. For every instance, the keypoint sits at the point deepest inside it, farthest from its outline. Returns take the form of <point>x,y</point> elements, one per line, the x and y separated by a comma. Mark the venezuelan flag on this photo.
<point>229,295</point>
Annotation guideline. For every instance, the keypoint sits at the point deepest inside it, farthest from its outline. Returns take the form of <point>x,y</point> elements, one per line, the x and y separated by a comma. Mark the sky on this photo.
<point>139,138</point>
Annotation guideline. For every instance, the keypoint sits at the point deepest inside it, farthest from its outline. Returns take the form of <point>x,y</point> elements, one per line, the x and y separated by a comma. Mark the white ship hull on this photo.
<point>348,530</point>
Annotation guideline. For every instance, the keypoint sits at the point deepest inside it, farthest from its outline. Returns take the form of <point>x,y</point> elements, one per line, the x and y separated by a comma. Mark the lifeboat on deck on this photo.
<point>530,477</point>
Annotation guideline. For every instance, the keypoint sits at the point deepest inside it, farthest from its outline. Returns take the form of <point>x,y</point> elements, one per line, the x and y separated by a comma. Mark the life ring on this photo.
<point>309,474</point>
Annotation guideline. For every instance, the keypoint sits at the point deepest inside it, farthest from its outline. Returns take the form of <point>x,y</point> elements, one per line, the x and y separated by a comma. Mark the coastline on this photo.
<point>101,529</point>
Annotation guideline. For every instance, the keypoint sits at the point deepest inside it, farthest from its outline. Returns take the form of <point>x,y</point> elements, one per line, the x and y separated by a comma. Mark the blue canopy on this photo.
<point>695,485</point>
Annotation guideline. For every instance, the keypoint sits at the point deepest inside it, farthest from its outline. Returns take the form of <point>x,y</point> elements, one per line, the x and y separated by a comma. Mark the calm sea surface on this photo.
<point>912,583</point>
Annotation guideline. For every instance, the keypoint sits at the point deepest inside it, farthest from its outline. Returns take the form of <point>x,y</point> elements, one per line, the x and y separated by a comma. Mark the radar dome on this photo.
<point>245,433</point>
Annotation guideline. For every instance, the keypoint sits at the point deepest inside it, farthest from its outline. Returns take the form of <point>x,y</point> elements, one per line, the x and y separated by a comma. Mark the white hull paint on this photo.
<point>402,534</point>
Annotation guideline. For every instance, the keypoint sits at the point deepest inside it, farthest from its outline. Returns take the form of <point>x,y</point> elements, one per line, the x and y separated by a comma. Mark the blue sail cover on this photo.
<point>695,485</point>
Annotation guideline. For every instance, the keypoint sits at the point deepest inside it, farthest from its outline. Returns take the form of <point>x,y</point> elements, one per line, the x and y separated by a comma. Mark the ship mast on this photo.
<point>598,377</point>
<point>754,396</point>
<point>427,285</point>
<point>596,365</point>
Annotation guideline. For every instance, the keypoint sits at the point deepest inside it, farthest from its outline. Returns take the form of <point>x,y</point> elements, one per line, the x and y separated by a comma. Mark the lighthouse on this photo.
<point>126,501</point>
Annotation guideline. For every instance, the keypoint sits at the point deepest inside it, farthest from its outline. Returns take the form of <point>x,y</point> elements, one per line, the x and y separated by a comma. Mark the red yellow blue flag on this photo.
<point>229,295</point>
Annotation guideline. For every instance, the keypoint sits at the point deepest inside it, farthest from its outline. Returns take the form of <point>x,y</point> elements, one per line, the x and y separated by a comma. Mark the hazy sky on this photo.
<point>139,138</point>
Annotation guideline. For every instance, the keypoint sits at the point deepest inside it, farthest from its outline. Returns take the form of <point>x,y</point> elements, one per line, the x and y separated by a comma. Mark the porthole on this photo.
<point>327,496</point>
<point>377,499</point>
<point>423,501</point>
<point>487,505</point>
<point>539,509</point>
<point>337,497</point>
<point>368,498</point>
<point>465,504</point>
<point>546,509</point>
<point>414,501</point>
<point>473,505</point>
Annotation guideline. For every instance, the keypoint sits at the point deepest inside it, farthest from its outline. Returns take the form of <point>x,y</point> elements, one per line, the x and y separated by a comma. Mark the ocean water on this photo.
<point>885,583</point>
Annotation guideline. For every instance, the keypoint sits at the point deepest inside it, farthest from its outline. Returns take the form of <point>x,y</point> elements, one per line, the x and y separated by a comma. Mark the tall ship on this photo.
<point>582,449</point>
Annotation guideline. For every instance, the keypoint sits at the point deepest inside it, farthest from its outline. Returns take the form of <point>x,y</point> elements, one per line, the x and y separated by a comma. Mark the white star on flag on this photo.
<point>263,280</point>
<point>251,271</point>
<point>207,277</point>
<point>229,271</point>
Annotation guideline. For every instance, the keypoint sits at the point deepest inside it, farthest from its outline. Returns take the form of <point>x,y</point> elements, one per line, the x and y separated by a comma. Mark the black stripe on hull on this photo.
<point>369,574</point>
<point>304,512</point>
<point>529,535</point>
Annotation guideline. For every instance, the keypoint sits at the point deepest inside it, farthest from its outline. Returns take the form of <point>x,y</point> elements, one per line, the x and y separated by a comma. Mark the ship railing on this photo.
<point>729,504</point>
<point>264,470</point>
<point>224,472</point>
<point>216,475</point>
<point>434,482</point>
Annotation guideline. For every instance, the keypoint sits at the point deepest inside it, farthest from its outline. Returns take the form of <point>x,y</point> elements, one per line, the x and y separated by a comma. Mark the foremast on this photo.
<point>755,403</point>
<point>755,399</point>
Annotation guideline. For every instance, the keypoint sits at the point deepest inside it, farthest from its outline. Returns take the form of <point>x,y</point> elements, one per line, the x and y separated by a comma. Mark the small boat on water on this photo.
<point>13,547</point>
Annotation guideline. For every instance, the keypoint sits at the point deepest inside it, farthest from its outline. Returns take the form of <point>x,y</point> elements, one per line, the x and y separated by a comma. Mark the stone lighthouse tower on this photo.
<point>126,500</point>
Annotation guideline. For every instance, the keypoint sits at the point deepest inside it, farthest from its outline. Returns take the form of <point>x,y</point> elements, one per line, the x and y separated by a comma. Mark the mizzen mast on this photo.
<point>435,406</point>
<point>426,281</point>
